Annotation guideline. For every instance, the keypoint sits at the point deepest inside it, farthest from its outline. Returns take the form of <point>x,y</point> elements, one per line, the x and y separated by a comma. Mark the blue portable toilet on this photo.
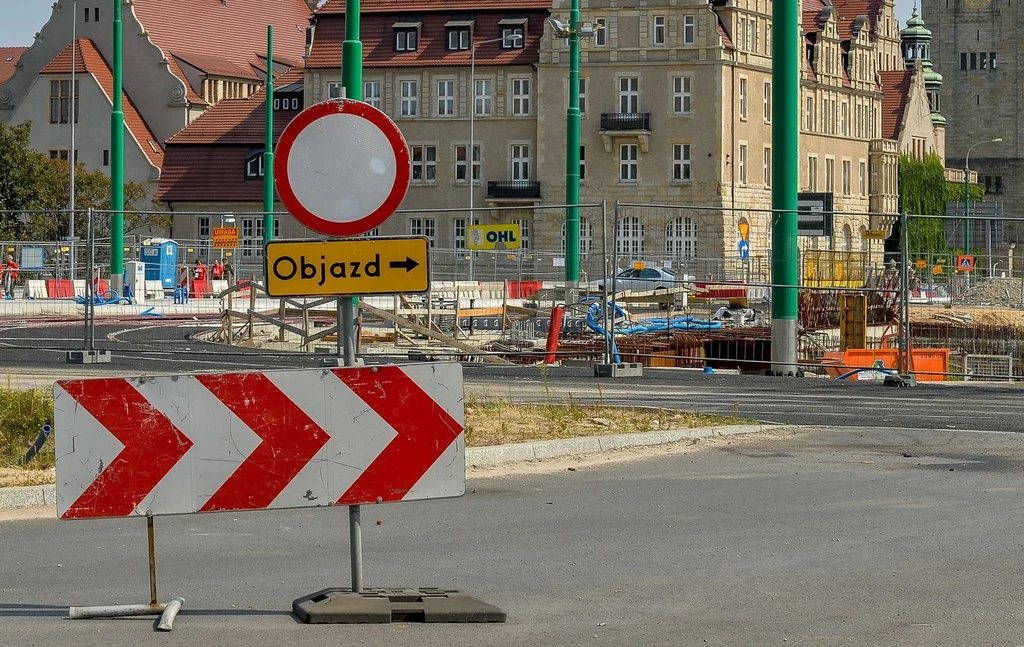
<point>161,258</point>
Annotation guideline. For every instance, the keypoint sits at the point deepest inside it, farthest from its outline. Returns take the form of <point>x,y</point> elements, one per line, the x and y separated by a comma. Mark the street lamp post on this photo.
<point>472,128</point>
<point>967,192</point>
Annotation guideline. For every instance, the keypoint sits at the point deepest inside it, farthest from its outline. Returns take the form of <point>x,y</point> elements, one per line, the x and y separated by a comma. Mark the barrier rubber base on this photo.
<point>618,370</point>
<point>382,606</point>
<point>87,357</point>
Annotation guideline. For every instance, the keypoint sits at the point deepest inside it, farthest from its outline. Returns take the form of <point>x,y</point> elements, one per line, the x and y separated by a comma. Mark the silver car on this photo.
<point>645,280</point>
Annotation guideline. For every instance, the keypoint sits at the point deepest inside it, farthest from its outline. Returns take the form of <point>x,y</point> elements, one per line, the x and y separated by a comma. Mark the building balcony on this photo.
<point>513,190</point>
<point>625,125</point>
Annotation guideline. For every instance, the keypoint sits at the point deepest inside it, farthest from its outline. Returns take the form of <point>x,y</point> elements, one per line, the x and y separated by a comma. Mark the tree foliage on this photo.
<point>34,192</point>
<point>924,190</point>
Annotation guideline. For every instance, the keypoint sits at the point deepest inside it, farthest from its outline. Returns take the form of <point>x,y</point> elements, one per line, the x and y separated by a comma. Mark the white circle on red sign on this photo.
<point>342,167</point>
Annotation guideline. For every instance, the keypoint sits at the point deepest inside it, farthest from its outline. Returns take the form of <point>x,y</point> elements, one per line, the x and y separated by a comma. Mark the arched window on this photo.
<point>847,238</point>
<point>586,238</point>
<point>630,233</point>
<point>681,238</point>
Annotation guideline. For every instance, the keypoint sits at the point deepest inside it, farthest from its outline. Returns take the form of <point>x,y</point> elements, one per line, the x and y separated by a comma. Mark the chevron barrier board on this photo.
<point>253,441</point>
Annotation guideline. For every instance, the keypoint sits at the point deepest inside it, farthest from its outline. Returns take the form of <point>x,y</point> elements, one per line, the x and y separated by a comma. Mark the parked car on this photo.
<point>649,278</point>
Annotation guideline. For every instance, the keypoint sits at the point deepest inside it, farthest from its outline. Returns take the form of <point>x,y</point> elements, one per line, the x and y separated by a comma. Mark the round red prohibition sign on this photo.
<point>342,167</point>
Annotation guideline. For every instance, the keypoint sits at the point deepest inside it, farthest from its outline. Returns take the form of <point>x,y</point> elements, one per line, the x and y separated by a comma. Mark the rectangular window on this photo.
<point>583,163</point>
<point>991,60</point>
<point>847,176</point>
<point>681,95</point>
<point>371,93</point>
<point>688,30</point>
<point>445,98</point>
<point>830,175</point>
<point>659,31</point>
<point>812,173</point>
<point>204,227</point>
<point>460,163</point>
<point>974,61</point>
<point>424,164</point>
<point>844,112</point>
<point>767,102</point>
<point>743,98</point>
<point>87,14</point>
<point>742,165</point>
<point>983,61</point>
<point>752,35</point>
<point>862,178</point>
<point>459,234</point>
<point>524,232</point>
<point>629,155</point>
<point>767,167</point>
<point>458,39</point>
<point>512,38</point>
<point>96,14</point>
<point>520,160</point>
<point>409,98</point>
<point>768,39</point>
<point>106,157</point>
<point>406,40</point>
<point>60,102</point>
<point>629,94</point>
<point>484,94</point>
<point>583,95</point>
<point>963,60</point>
<point>741,30</point>
<point>681,162</point>
<point>424,227</point>
<point>520,97</point>
<point>600,34</point>
<point>252,236</point>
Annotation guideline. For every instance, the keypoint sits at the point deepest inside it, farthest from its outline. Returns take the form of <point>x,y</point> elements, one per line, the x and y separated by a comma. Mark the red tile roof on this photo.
<point>809,12</point>
<point>9,57</point>
<point>88,60</point>
<point>895,97</point>
<point>848,11</point>
<point>391,6</point>
<point>205,161</point>
<point>377,34</point>
<point>224,34</point>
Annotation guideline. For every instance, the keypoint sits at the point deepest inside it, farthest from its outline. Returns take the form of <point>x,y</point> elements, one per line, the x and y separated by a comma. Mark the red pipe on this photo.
<point>554,332</point>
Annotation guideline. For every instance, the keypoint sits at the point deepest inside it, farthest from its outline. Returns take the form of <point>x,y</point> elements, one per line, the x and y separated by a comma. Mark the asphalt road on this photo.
<point>154,347</point>
<point>857,537</point>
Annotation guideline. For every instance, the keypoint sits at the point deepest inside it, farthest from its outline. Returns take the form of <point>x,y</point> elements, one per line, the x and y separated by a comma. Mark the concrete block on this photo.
<point>88,357</point>
<point>24,497</point>
<point>618,370</point>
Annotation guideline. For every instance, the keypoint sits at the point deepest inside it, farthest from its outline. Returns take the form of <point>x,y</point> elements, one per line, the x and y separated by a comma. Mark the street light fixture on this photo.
<point>472,125</point>
<point>967,192</point>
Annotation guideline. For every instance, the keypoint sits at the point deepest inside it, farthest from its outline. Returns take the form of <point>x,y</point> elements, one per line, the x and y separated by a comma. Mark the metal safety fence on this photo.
<point>694,285</point>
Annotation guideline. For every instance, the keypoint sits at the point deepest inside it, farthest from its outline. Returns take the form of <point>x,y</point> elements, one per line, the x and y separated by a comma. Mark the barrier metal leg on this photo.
<point>167,612</point>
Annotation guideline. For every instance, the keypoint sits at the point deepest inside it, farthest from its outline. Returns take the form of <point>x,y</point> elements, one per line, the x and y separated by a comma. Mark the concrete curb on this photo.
<point>546,449</point>
<point>33,496</point>
<point>37,496</point>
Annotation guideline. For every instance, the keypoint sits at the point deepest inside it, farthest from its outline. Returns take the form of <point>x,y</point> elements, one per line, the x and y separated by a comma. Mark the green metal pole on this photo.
<point>117,160</point>
<point>352,53</point>
<point>268,150</point>
<point>572,153</point>
<point>785,169</point>
<point>967,209</point>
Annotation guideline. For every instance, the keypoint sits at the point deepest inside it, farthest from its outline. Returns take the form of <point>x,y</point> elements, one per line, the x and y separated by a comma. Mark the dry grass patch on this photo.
<point>499,422</point>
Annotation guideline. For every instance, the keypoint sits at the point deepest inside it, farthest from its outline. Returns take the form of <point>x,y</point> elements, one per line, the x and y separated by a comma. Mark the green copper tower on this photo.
<point>116,160</point>
<point>785,170</point>
<point>572,152</point>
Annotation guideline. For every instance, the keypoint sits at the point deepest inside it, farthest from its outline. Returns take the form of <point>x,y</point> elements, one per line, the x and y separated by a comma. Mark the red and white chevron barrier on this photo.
<point>253,441</point>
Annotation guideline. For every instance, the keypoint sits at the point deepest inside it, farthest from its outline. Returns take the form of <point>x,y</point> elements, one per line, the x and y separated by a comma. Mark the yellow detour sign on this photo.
<point>225,237</point>
<point>304,268</point>
<point>489,236</point>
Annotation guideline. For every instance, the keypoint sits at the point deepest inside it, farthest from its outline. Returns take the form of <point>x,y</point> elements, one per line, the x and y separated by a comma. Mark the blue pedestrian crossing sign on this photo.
<point>744,250</point>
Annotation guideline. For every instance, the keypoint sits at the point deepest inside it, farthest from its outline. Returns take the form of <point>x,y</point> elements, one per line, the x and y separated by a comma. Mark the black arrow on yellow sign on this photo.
<point>409,264</point>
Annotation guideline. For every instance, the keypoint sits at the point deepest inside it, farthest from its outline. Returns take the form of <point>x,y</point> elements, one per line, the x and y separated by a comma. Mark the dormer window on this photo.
<point>459,35</point>
<point>407,36</point>
<point>513,33</point>
<point>254,166</point>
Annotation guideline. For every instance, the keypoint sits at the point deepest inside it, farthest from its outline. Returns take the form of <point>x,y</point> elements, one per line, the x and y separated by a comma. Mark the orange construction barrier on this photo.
<point>927,364</point>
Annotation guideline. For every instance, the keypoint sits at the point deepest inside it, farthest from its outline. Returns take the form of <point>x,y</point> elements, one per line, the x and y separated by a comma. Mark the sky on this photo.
<point>23,18</point>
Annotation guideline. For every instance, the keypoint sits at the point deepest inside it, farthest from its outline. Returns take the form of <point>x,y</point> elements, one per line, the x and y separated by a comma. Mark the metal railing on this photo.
<point>513,189</point>
<point>625,121</point>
